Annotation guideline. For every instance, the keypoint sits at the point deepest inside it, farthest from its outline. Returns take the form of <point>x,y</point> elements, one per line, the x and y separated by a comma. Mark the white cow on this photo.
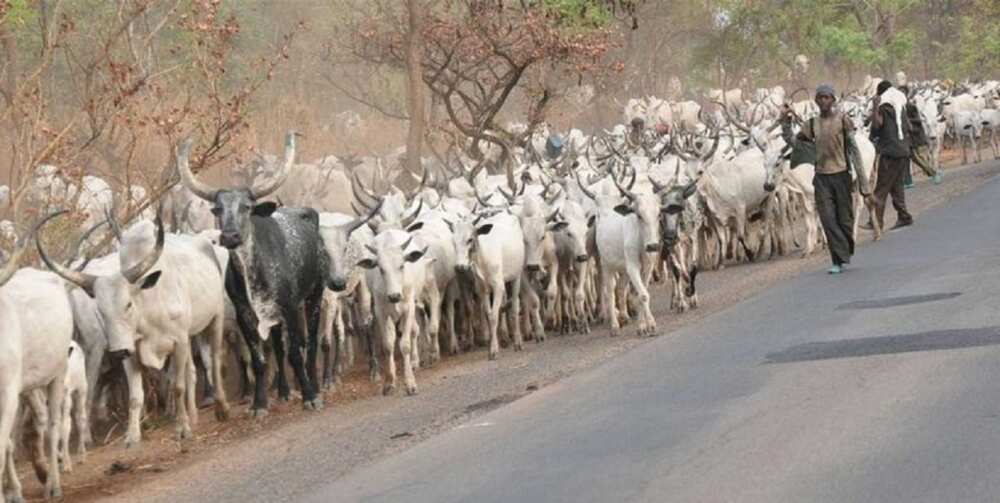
<point>990,119</point>
<point>433,230</point>
<point>396,275</point>
<point>36,327</point>
<point>967,126</point>
<point>491,251</point>
<point>163,293</point>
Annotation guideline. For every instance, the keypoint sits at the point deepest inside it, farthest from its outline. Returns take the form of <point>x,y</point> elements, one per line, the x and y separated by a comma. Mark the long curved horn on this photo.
<point>136,272</point>
<point>198,188</point>
<point>83,239</point>
<point>406,221</point>
<point>286,169</point>
<point>739,125</point>
<point>361,196</point>
<point>625,192</point>
<point>359,221</point>
<point>632,183</point>
<point>80,279</point>
<point>678,151</point>
<point>509,197</point>
<point>583,188</point>
<point>407,243</point>
<point>657,188</point>
<point>479,198</point>
<point>715,146</point>
<point>113,222</point>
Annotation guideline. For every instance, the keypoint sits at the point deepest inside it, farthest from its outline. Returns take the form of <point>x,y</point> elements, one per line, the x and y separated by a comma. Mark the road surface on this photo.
<point>882,384</point>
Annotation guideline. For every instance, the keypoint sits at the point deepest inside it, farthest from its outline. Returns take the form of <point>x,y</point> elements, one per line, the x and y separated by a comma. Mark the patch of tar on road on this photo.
<point>898,301</point>
<point>492,403</point>
<point>893,344</point>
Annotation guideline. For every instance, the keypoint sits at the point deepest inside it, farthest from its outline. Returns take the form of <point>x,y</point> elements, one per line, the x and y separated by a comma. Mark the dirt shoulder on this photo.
<point>291,450</point>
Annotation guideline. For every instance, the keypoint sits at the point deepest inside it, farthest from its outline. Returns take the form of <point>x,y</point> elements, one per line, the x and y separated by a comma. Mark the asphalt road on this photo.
<point>882,384</point>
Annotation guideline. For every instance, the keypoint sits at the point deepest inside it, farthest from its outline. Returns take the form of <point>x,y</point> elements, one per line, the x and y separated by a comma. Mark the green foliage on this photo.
<point>849,44</point>
<point>977,51</point>
<point>579,14</point>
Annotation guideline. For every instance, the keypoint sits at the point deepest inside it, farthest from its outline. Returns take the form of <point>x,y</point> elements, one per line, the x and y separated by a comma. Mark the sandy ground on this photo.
<point>358,426</point>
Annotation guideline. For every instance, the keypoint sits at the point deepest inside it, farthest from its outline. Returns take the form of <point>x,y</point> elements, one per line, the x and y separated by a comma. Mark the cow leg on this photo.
<point>82,421</point>
<point>647,324</point>
<point>450,299</point>
<point>182,357</point>
<point>94,358</point>
<point>278,348</point>
<point>13,492</point>
<point>341,341</point>
<point>434,324</point>
<point>493,316</point>
<point>295,318</point>
<point>9,401</point>
<point>247,322</point>
<point>580,297</point>
<point>65,429</point>
<point>216,334</point>
<point>326,316</point>
<point>202,356</point>
<point>408,348</point>
<point>314,307</point>
<point>136,401</point>
<point>387,333</point>
<point>610,304</point>
<point>55,394</point>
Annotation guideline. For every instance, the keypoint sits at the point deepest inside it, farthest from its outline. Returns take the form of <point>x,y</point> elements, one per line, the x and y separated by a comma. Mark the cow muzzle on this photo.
<point>395,297</point>
<point>230,240</point>
<point>119,355</point>
<point>652,247</point>
<point>582,258</point>
<point>769,187</point>
<point>533,268</point>
<point>463,268</point>
<point>338,284</point>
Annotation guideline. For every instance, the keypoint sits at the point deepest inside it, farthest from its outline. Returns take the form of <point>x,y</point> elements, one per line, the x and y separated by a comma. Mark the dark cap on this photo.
<point>882,87</point>
<point>825,90</point>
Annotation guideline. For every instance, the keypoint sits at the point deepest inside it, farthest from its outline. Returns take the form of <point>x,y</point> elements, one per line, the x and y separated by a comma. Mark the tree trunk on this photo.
<point>415,88</point>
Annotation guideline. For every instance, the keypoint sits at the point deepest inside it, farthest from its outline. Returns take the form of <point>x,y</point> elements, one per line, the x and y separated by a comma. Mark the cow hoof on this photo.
<point>615,332</point>
<point>131,442</point>
<point>221,412</point>
<point>518,346</point>
<point>285,397</point>
<point>206,402</point>
<point>411,389</point>
<point>184,433</point>
<point>258,413</point>
<point>388,389</point>
<point>53,492</point>
<point>493,355</point>
<point>17,498</point>
<point>314,404</point>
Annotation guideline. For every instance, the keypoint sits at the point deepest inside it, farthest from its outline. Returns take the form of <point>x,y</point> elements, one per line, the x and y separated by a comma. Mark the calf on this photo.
<point>74,407</point>
<point>276,274</point>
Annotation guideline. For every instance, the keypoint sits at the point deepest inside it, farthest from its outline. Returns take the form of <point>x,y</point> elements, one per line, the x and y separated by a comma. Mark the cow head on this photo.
<point>465,238</point>
<point>774,163</point>
<point>121,297</point>
<point>536,227</point>
<point>672,204</point>
<point>645,209</point>
<point>573,234</point>
<point>234,208</point>
<point>336,240</point>
<point>390,258</point>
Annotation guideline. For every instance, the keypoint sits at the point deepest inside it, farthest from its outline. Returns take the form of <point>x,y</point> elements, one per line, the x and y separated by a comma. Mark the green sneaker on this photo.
<point>836,269</point>
<point>937,178</point>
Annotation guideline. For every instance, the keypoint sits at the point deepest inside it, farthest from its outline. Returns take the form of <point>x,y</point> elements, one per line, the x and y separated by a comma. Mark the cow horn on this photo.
<point>360,196</point>
<point>136,272</point>
<point>371,249</point>
<point>554,216</point>
<point>80,279</point>
<point>739,125</point>
<point>678,151</point>
<point>198,188</point>
<point>13,262</point>
<point>509,197</point>
<point>479,198</point>
<point>286,169</point>
<point>583,188</point>
<point>657,188</point>
<point>359,221</point>
<point>83,239</point>
<point>623,190</point>
<point>409,220</point>
<point>407,243</point>
<point>113,222</point>
<point>715,146</point>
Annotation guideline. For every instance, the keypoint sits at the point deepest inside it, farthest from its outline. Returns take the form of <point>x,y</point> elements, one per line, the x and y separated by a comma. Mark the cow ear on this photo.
<point>484,229</point>
<point>367,263</point>
<point>690,190</point>
<point>150,281</point>
<point>623,209</point>
<point>591,220</point>
<point>558,226</point>
<point>415,255</point>
<point>265,209</point>
<point>415,227</point>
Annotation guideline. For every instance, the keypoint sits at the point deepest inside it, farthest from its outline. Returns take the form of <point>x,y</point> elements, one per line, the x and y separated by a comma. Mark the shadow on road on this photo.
<point>905,343</point>
<point>898,301</point>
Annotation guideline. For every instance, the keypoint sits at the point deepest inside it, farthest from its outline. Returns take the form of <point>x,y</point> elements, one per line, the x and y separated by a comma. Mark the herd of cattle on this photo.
<point>320,258</point>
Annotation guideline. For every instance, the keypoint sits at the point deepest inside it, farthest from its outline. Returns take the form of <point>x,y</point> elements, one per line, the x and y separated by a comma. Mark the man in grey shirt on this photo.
<point>836,151</point>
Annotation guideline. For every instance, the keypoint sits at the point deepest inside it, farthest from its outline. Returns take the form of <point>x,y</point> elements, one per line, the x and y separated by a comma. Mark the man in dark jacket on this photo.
<point>892,145</point>
<point>832,132</point>
<point>918,143</point>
